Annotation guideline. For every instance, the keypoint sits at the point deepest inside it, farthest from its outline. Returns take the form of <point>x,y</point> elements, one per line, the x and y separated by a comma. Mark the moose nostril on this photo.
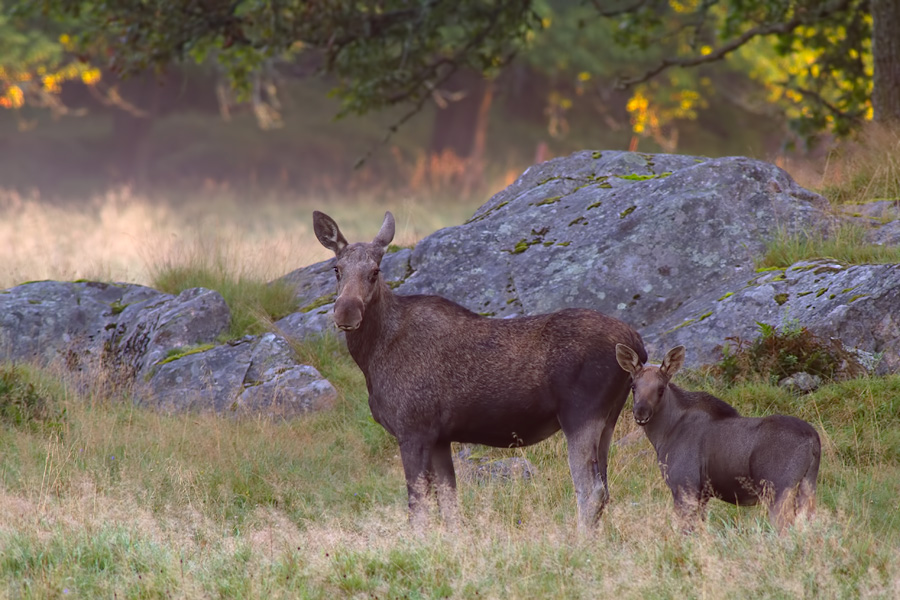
<point>641,414</point>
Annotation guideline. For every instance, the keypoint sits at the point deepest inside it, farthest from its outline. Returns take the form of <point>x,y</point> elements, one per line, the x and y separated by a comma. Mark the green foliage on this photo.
<point>779,352</point>
<point>34,61</point>
<point>814,58</point>
<point>25,405</point>
<point>381,52</point>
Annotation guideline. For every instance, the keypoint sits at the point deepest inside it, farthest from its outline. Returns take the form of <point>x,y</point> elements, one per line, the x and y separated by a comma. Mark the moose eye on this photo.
<point>374,275</point>
<point>337,273</point>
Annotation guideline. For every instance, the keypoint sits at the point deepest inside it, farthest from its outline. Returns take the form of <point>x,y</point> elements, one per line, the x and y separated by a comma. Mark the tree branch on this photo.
<point>721,52</point>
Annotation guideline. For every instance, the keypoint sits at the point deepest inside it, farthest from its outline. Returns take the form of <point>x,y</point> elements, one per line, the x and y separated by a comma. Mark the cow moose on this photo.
<point>705,448</point>
<point>438,373</point>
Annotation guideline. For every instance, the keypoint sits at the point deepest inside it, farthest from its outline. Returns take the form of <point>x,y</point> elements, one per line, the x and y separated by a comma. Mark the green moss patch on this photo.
<point>320,301</point>
<point>182,351</point>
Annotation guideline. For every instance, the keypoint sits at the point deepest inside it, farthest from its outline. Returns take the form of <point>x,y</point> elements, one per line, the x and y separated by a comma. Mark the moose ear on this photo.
<point>328,233</point>
<point>673,361</point>
<point>386,234</point>
<point>628,358</point>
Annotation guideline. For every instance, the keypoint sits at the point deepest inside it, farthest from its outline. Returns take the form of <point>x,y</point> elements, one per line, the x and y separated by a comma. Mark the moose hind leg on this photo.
<point>416,456</point>
<point>588,473</point>
<point>445,484</point>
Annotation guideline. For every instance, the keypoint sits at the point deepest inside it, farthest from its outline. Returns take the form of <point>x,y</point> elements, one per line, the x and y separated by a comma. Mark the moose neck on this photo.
<point>668,415</point>
<point>376,329</point>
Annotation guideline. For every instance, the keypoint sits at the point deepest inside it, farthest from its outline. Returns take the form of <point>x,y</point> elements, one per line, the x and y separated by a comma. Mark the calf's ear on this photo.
<point>627,358</point>
<point>673,361</point>
<point>328,233</point>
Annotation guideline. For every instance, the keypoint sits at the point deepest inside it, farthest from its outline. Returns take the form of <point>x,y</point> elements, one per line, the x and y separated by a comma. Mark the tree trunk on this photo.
<point>474,176</point>
<point>886,57</point>
<point>456,121</point>
<point>132,131</point>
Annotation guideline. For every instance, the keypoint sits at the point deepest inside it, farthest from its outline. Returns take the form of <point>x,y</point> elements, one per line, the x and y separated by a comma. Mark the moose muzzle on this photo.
<point>348,313</point>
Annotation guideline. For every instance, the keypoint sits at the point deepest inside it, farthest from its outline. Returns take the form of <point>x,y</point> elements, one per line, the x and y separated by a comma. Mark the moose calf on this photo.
<point>705,448</point>
<point>438,373</point>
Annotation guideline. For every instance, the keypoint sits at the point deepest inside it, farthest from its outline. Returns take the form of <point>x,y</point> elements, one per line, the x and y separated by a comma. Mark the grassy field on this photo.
<point>123,236</point>
<point>99,498</point>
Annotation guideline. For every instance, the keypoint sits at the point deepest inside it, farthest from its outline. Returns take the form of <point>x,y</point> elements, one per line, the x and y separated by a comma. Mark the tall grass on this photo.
<point>865,169</point>
<point>845,242</point>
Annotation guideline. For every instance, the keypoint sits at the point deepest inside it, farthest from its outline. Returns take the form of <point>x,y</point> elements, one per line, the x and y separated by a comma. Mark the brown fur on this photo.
<point>706,449</point>
<point>438,373</point>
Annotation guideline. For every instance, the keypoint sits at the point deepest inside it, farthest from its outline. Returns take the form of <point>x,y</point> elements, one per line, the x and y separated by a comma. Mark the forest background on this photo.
<point>438,99</point>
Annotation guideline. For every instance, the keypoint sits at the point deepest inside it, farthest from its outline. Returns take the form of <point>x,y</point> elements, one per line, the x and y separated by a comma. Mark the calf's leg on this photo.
<point>690,508</point>
<point>783,509</point>
<point>806,498</point>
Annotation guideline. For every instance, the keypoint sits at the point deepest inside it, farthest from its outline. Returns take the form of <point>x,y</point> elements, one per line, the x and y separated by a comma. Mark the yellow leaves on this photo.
<point>90,76</point>
<point>653,108</point>
<point>19,87</point>
<point>51,83</point>
<point>638,107</point>
<point>793,95</point>
<point>545,23</point>
<point>66,41</point>
<point>706,50</point>
<point>683,7</point>
<point>584,76</point>
<point>13,98</point>
<point>688,99</point>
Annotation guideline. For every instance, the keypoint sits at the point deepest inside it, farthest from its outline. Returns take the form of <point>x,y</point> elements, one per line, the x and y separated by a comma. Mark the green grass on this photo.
<point>124,502</point>
<point>254,301</point>
<point>846,243</point>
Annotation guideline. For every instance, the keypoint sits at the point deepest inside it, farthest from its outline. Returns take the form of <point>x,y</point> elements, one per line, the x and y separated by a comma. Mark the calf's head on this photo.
<point>358,268</point>
<point>649,382</point>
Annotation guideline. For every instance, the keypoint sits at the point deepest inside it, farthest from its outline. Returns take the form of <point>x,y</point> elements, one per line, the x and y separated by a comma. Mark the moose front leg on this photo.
<point>416,456</point>
<point>690,508</point>
<point>588,467</point>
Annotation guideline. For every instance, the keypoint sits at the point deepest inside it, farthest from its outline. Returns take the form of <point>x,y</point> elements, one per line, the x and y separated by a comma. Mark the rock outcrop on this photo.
<point>162,347</point>
<point>665,243</point>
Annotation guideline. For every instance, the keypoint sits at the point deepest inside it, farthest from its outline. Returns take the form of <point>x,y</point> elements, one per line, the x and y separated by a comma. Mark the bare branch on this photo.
<point>605,12</point>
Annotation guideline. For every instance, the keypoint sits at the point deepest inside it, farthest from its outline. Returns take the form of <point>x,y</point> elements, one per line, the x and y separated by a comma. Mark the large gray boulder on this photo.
<point>163,347</point>
<point>666,243</point>
<point>250,376</point>
<point>858,305</point>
